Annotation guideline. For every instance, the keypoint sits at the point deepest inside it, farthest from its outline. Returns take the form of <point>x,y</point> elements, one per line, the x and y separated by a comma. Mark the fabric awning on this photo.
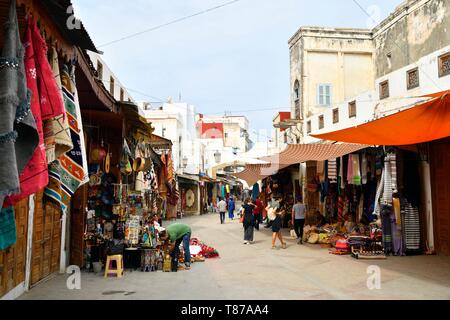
<point>425,122</point>
<point>293,154</point>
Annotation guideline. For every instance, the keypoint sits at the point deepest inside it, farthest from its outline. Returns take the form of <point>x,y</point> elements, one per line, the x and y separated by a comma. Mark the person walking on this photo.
<point>257,212</point>
<point>231,207</point>
<point>298,219</point>
<point>272,205</point>
<point>249,221</point>
<point>222,205</point>
<point>276,228</point>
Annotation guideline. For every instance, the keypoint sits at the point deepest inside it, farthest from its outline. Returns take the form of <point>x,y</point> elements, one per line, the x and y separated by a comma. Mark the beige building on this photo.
<point>328,65</point>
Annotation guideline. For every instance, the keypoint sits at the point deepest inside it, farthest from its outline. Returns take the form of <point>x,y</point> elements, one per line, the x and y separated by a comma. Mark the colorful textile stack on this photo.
<point>69,172</point>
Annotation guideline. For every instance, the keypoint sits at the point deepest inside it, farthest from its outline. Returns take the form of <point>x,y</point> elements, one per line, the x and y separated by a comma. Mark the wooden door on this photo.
<point>440,187</point>
<point>46,240</point>
<point>13,259</point>
<point>77,225</point>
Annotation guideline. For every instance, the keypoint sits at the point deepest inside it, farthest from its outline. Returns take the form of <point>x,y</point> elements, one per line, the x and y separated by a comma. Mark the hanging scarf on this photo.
<point>70,171</point>
<point>18,134</point>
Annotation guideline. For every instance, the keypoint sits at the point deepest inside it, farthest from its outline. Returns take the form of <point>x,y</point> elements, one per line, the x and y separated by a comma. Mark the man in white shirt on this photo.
<point>222,205</point>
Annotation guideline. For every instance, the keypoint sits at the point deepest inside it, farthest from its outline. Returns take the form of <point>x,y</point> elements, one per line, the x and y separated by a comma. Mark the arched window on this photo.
<point>296,90</point>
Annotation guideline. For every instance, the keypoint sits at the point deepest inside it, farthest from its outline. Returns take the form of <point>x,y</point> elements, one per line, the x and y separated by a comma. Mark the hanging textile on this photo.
<point>341,209</point>
<point>69,172</point>
<point>364,169</point>
<point>350,169</point>
<point>380,188</point>
<point>321,170</point>
<point>18,133</point>
<point>393,163</point>
<point>397,210</point>
<point>341,172</point>
<point>8,236</point>
<point>56,130</point>
<point>397,237</point>
<point>356,169</point>
<point>34,176</point>
<point>332,170</point>
<point>170,168</point>
<point>387,188</point>
<point>412,227</point>
<point>387,229</point>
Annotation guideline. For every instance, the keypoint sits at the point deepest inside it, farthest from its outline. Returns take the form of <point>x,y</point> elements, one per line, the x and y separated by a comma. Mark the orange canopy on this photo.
<point>423,123</point>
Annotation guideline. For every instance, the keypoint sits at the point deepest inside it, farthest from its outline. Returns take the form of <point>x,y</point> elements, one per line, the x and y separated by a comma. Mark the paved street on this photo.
<point>258,272</point>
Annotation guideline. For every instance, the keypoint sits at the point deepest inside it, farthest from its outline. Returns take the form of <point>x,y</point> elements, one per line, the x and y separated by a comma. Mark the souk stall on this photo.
<point>368,204</point>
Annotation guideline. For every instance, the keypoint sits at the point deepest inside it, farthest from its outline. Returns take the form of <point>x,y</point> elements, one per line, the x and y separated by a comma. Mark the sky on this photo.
<point>233,59</point>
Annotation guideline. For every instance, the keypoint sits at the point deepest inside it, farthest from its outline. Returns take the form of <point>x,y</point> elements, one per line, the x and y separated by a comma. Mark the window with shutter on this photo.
<point>324,95</point>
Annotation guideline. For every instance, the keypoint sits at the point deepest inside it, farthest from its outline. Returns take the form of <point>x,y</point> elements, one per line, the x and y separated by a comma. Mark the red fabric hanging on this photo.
<point>52,104</point>
<point>34,177</point>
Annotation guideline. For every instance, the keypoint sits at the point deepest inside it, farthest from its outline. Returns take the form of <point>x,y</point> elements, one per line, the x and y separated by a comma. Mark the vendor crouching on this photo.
<point>176,234</point>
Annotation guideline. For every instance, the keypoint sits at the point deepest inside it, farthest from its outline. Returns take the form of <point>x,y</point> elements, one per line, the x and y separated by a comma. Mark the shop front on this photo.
<point>190,194</point>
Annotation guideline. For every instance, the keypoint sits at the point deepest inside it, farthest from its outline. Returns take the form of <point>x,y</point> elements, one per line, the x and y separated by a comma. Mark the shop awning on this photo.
<point>294,154</point>
<point>425,122</point>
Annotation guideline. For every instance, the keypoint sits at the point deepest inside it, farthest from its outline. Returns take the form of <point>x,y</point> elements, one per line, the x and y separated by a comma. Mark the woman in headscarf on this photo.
<point>249,221</point>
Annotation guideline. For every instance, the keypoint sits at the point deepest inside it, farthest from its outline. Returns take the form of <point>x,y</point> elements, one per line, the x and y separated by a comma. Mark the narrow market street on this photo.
<point>255,272</point>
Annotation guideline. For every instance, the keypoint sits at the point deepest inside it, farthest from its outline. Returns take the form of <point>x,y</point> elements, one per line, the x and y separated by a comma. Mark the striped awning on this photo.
<point>296,153</point>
